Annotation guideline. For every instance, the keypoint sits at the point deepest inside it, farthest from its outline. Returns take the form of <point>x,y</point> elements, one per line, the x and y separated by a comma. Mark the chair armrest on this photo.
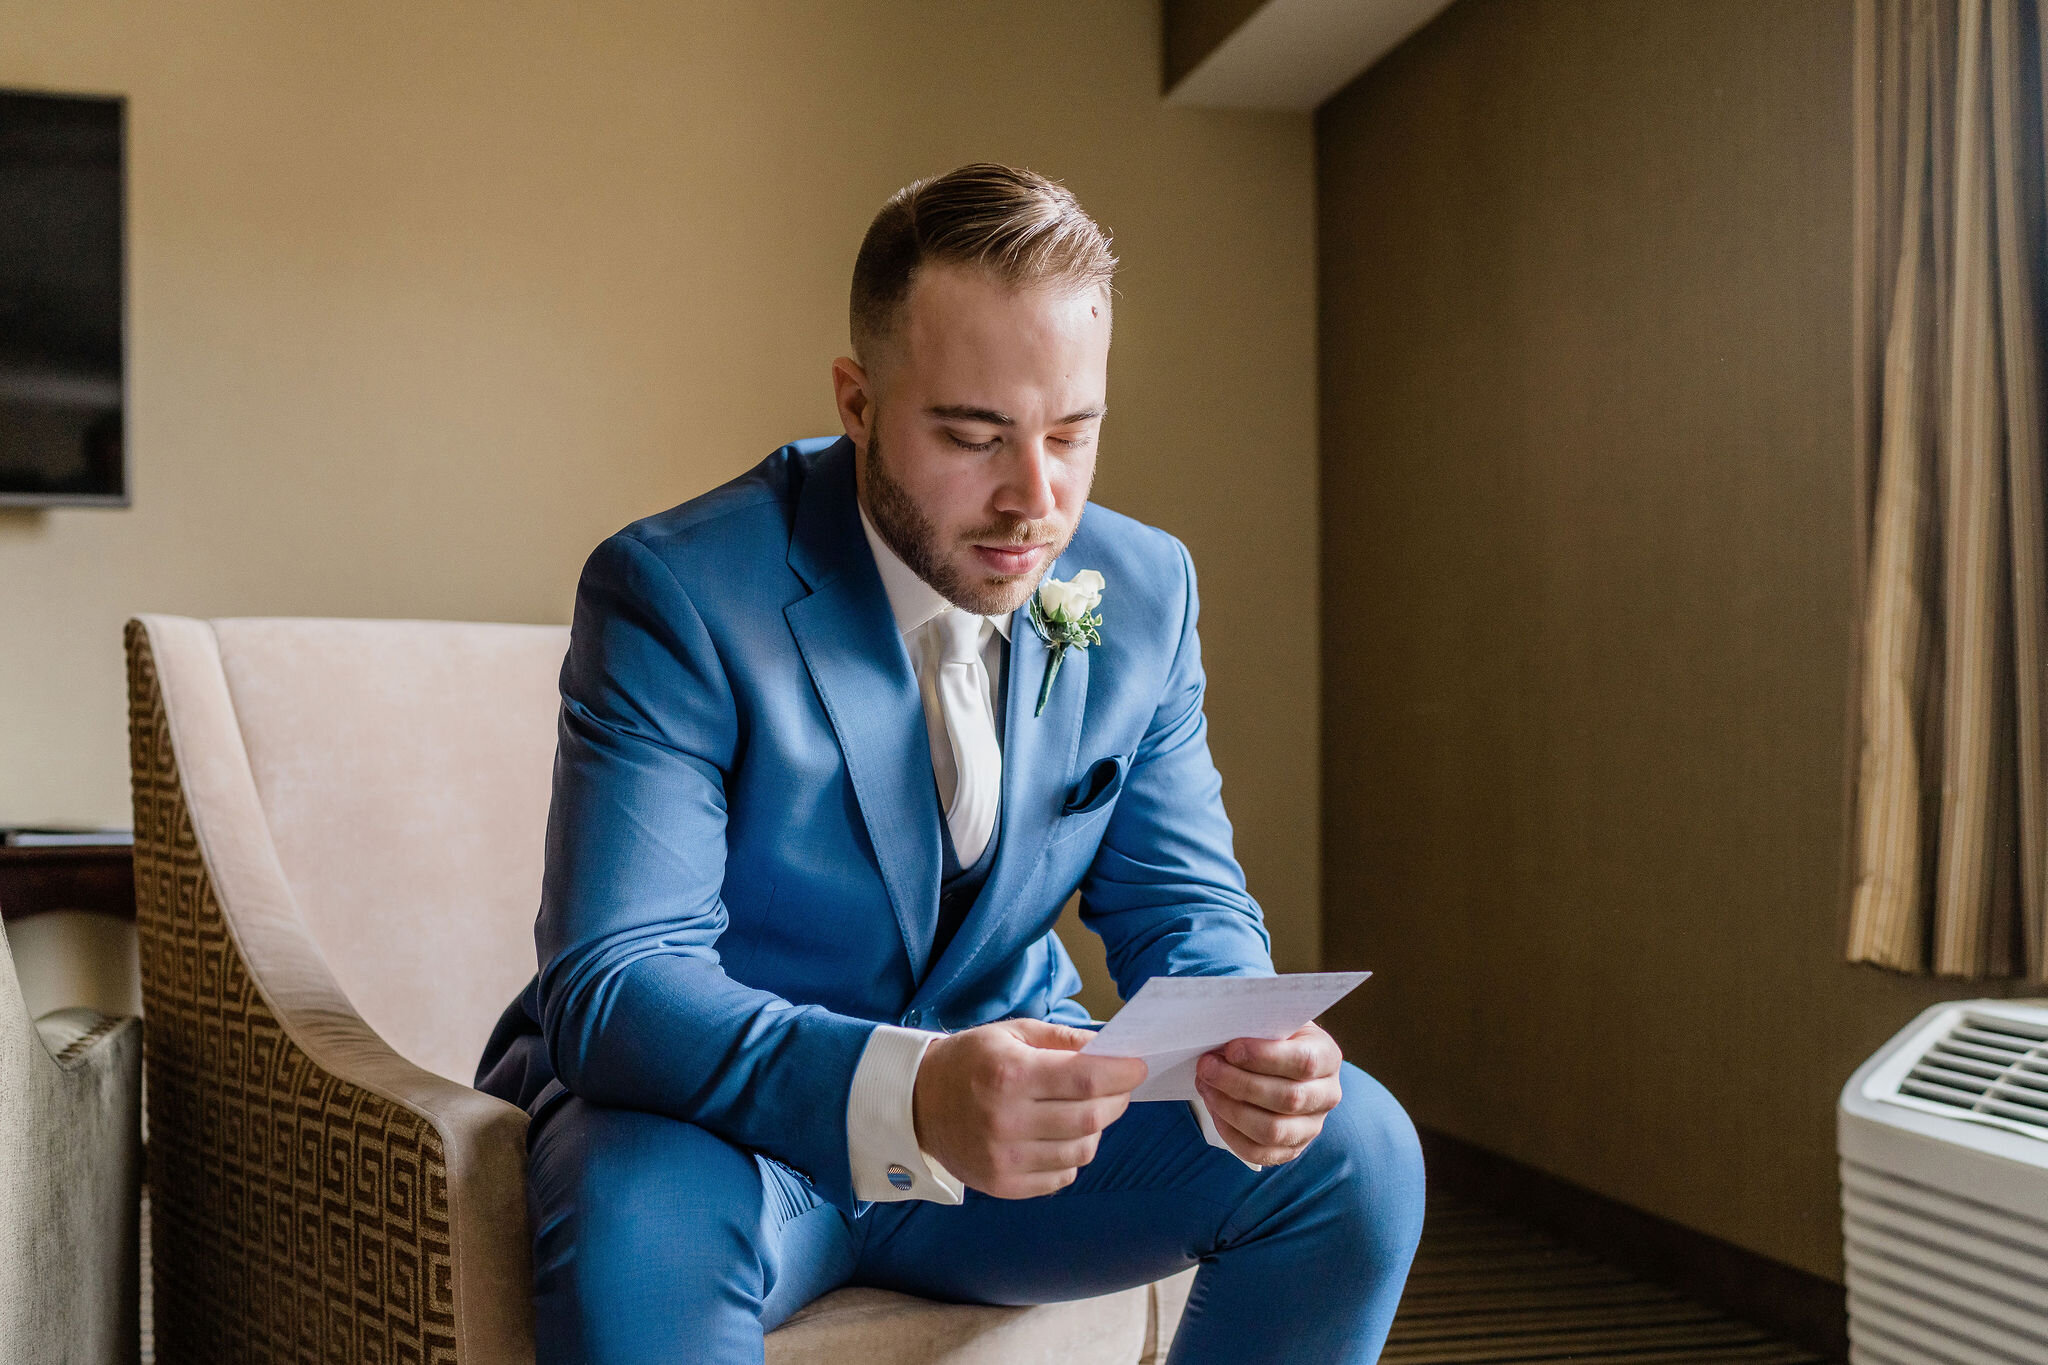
<point>317,1196</point>
<point>70,1156</point>
<point>68,1034</point>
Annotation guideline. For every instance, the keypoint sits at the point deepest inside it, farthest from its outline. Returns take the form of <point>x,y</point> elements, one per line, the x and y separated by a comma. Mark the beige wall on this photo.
<point>1588,517</point>
<point>425,300</point>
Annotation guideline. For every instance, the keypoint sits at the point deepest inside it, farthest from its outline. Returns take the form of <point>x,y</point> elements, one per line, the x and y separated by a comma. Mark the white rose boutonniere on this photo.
<point>1063,614</point>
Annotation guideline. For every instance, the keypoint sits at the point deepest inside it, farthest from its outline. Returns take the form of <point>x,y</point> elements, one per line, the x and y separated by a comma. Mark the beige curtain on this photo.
<point>1951,777</point>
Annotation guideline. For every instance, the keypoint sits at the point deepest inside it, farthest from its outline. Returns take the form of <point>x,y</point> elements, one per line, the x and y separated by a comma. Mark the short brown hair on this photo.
<point>1019,226</point>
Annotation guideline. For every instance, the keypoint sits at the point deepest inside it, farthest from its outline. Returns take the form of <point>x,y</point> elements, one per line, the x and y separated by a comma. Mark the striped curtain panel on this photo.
<point>1951,776</point>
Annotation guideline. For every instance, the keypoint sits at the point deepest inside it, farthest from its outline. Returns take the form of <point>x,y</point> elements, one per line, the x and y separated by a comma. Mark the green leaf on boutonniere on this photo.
<point>1062,614</point>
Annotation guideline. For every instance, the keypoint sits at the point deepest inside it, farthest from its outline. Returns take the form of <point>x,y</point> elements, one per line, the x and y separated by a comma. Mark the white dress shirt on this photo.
<point>881,1131</point>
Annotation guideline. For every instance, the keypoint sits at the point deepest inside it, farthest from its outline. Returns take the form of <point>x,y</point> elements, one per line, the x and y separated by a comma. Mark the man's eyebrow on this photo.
<point>962,412</point>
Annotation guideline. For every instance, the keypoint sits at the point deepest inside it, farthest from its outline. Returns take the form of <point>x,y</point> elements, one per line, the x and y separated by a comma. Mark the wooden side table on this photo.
<point>99,878</point>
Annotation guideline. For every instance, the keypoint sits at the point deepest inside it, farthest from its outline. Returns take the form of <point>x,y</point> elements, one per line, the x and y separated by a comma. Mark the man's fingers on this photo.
<point>1304,1056</point>
<point>1068,1154</point>
<point>1249,1148</point>
<point>1088,1078</point>
<point>1064,1119</point>
<point>1039,1158</point>
<point>1277,1137</point>
<point>1040,1033</point>
<point>1277,1093</point>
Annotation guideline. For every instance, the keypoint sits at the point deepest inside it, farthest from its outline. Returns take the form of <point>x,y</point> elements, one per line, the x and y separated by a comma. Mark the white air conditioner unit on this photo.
<point>1943,1137</point>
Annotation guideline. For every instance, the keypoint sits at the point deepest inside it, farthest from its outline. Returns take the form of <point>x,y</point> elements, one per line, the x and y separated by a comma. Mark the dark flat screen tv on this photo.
<point>62,309</point>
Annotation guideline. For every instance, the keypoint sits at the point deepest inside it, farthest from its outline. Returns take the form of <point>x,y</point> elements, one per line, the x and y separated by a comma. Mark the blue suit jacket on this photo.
<point>743,856</point>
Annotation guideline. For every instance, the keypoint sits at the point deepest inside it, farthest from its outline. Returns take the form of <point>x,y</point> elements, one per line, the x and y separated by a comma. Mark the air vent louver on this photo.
<point>1943,1136</point>
<point>1988,1069</point>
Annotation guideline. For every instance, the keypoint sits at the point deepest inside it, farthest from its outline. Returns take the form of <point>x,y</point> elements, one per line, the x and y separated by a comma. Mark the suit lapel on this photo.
<point>1038,753</point>
<point>855,655</point>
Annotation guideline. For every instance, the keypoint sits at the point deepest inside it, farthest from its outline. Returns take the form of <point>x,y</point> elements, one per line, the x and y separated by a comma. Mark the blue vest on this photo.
<point>958,886</point>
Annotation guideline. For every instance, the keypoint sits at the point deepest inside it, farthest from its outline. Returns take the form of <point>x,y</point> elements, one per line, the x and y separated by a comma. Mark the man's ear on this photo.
<point>854,393</point>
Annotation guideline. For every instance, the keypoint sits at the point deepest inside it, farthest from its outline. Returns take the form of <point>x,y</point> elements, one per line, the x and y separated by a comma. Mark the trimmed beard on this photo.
<point>906,529</point>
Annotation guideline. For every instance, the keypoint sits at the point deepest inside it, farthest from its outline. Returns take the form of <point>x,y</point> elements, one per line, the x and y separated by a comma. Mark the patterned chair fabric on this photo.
<point>70,1182</point>
<point>338,839</point>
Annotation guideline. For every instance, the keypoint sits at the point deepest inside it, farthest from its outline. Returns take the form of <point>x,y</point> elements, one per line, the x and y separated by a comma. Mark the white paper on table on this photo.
<point>1173,1020</point>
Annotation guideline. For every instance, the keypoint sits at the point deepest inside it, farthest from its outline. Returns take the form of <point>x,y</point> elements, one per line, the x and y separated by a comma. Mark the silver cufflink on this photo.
<point>900,1177</point>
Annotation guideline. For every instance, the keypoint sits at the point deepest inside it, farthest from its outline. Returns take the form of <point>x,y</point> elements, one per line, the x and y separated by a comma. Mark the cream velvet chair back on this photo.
<point>404,770</point>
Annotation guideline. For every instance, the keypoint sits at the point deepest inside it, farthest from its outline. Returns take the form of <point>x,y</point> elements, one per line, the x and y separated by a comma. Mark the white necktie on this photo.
<point>960,680</point>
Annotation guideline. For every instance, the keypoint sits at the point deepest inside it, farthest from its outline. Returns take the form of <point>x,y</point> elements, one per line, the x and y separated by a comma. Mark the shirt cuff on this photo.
<point>881,1129</point>
<point>1208,1127</point>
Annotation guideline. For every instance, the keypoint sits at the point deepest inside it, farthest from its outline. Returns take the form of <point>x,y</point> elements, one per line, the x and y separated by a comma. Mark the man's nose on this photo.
<point>1026,489</point>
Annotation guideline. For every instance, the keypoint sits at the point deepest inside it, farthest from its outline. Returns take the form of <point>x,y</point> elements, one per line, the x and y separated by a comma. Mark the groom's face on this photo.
<point>975,430</point>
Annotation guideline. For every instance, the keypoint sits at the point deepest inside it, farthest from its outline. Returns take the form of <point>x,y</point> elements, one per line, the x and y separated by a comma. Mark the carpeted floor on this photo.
<point>1487,1290</point>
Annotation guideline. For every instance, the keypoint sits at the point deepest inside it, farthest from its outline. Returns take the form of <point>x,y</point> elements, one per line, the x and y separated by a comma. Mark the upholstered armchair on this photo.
<point>339,830</point>
<point>70,1182</point>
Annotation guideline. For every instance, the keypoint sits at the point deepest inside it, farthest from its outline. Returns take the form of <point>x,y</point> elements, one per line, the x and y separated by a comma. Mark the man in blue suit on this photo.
<point>801,1019</point>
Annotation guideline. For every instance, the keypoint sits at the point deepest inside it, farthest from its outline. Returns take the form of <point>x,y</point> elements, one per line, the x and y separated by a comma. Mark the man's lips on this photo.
<point>1010,558</point>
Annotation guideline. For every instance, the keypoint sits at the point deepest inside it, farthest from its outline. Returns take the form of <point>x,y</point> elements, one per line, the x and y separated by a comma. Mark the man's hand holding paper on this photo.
<point>1244,1047</point>
<point>1267,1098</point>
<point>1014,1109</point>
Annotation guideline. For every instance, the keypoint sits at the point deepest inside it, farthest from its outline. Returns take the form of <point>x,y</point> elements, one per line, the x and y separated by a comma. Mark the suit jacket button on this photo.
<point>900,1177</point>
<point>910,1018</point>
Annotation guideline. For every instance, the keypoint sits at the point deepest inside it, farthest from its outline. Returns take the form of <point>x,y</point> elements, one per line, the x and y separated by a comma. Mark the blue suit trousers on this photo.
<point>655,1240</point>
